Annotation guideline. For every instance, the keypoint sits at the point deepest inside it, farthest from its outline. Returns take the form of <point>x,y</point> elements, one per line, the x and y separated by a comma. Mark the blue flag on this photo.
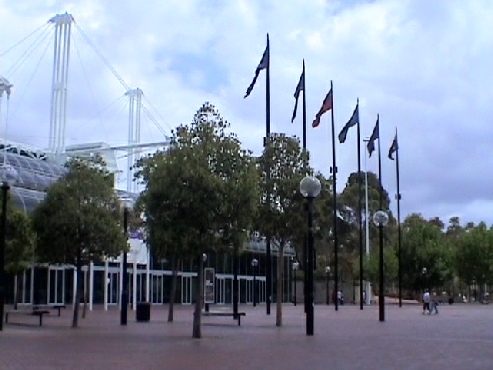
<point>374,136</point>
<point>299,88</point>
<point>352,122</point>
<point>264,62</point>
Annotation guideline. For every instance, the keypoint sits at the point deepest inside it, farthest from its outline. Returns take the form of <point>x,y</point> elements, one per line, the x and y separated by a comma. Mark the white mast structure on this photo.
<point>135,107</point>
<point>58,107</point>
<point>5,86</point>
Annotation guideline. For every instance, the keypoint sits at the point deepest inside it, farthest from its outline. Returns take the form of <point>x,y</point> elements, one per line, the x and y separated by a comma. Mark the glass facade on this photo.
<point>55,284</point>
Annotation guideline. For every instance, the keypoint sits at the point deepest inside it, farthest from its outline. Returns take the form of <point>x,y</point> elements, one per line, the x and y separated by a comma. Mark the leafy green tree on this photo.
<point>424,246</point>
<point>474,255</point>
<point>79,219</point>
<point>19,248</point>
<point>201,194</point>
<point>348,200</point>
<point>282,212</point>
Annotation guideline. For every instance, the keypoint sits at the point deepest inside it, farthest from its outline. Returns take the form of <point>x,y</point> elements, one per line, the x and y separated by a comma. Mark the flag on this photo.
<point>264,62</point>
<point>326,106</point>
<point>352,121</point>
<point>374,136</point>
<point>299,88</point>
<point>393,148</point>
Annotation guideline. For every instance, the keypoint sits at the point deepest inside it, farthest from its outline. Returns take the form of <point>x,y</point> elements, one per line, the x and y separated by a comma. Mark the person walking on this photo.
<point>426,301</point>
<point>434,303</point>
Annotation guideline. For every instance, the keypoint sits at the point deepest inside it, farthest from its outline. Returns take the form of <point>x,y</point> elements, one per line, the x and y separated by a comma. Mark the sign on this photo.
<point>209,275</point>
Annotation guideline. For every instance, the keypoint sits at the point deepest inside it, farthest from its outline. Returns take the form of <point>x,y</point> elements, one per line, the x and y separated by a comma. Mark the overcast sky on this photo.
<point>424,66</point>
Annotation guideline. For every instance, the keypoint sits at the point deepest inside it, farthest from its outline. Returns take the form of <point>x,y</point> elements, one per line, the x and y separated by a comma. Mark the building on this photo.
<point>149,277</point>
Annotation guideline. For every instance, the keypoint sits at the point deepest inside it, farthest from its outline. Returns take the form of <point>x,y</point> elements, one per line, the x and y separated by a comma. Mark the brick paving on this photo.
<point>460,337</point>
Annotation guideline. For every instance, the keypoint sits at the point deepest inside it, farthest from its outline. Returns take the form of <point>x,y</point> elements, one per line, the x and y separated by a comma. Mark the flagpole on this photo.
<point>268,270</point>
<point>398,218</point>
<point>304,108</point>
<point>334,202</point>
<point>305,160</point>
<point>359,217</point>
<point>381,296</point>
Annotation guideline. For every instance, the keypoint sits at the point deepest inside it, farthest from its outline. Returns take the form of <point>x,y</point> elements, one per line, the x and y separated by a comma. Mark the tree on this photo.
<point>201,193</point>
<point>79,219</point>
<point>474,255</point>
<point>348,209</point>
<point>424,246</point>
<point>19,251</point>
<point>282,212</point>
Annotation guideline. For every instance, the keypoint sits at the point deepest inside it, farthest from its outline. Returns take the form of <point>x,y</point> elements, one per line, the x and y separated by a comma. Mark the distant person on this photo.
<point>426,301</point>
<point>434,303</point>
<point>340,298</point>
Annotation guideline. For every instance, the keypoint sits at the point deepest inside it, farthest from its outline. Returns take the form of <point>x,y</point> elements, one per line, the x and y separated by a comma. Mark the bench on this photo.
<point>219,313</point>
<point>38,313</point>
<point>56,306</point>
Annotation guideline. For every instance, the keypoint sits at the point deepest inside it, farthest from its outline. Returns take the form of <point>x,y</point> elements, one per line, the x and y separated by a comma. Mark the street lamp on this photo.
<point>8,176</point>
<point>254,264</point>
<point>124,294</point>
<point>296,266</point>
<point>424,271</point>
<point>310,188</point>
<point>381,219</point>
<point>327,277</point>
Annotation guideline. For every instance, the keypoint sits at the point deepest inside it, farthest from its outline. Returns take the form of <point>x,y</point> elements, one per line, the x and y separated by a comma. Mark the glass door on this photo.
<point>113,287</point>
<point>186,289</point>
<point>157,289</point>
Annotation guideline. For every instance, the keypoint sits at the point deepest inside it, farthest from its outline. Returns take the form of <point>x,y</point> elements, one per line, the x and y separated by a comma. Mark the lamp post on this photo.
<point>8,176</point>
<point>296,266</point>
<point>124,294</point>
<point>380,218</point>
<point>327,277</point>
<point>424,271</point>
<point>310,188</point>
<point>254,264</point>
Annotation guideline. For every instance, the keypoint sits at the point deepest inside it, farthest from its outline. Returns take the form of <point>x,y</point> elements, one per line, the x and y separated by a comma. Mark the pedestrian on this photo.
<point>426,301</point>
<point>434,304</point>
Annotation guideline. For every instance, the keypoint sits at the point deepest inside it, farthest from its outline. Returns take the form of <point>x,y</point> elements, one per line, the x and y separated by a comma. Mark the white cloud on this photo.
<point>423,66</point>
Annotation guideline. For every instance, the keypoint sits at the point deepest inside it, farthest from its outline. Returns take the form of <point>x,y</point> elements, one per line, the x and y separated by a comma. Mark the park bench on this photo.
<point>223,313</point>
<point>56,306</point>
<point>38,313</point>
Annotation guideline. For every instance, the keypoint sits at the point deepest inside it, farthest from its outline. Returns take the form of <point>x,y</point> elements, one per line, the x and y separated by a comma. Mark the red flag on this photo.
<point>326,106</point>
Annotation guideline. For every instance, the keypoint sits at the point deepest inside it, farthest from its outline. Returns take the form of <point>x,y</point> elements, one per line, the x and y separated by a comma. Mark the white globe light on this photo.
<point>380,218</point>
<point>296,265</point>
<point>8,174</point>
<point>310,187</point>
<point>254,262</point>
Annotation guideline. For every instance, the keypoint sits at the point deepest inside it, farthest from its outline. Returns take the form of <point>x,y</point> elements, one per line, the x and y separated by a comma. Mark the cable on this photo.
<point>28,52</point>
<point>156,111</point>
<point>89,86</point>
<point>31,77</point>
<point>120,79</point>
<point>102,57</point>
<point>21,41</point>
<point>149,115</point>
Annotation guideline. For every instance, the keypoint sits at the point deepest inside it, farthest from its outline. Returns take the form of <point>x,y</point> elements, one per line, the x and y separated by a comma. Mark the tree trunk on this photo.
<point>174,279</point>
<point>280,285</point>
<point>16,291</point>
<point>235,281</point>
<point>75,319</point>
<point>86,292</point>
<point>199,297</point>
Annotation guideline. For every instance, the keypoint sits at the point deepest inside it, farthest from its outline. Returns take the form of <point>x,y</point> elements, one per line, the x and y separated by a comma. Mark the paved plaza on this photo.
<point>459,337</point>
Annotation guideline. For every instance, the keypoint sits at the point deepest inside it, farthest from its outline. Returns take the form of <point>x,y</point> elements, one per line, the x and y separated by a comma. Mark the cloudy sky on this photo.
<point>424,66</point>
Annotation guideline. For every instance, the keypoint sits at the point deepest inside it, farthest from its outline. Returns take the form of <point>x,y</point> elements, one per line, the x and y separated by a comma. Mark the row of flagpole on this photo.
<point>327,105</point>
